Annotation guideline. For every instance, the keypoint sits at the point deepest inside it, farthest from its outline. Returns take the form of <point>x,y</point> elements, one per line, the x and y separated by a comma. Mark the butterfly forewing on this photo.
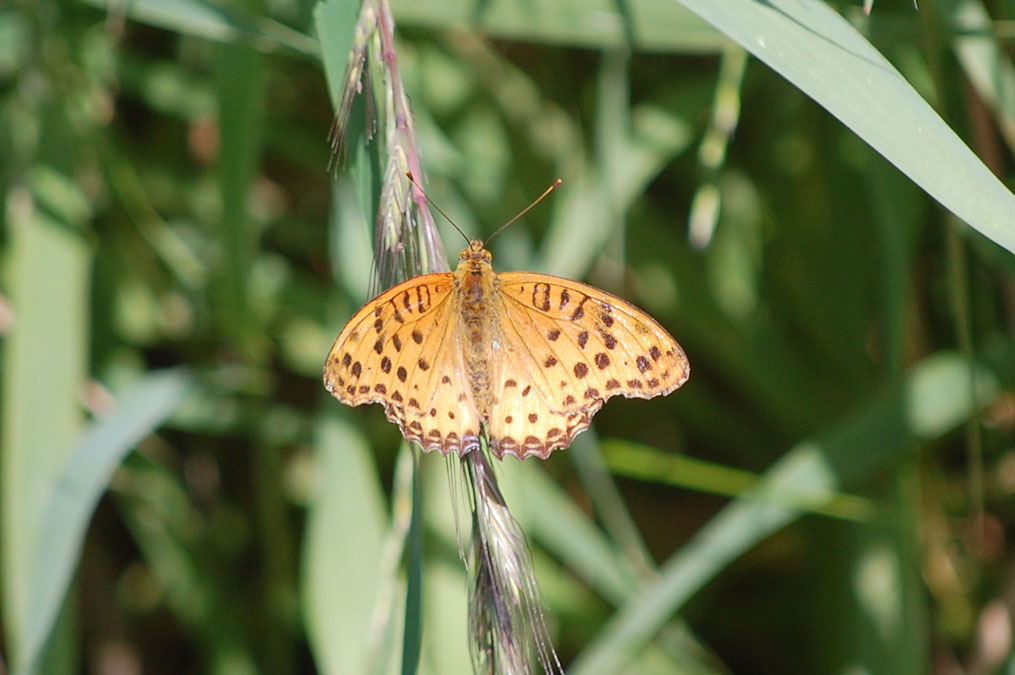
<point>571,347</point>
<point>402,350</point>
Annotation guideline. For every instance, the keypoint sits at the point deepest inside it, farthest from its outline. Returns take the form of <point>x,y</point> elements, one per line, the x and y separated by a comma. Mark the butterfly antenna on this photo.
<point>434,204</point>
<point>523,211</point>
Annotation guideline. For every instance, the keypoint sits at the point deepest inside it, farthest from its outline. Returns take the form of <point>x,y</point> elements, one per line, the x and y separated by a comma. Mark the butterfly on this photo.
<point>525,358</point>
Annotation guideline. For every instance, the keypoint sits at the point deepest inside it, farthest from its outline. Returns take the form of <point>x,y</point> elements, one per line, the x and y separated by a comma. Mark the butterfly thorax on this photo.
<point>476,279</point>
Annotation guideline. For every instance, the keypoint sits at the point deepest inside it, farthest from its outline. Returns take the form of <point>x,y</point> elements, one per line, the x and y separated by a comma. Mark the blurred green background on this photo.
<point>832,491</point>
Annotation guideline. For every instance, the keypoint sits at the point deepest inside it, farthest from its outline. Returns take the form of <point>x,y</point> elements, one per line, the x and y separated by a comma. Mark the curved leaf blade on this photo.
<point>78,489</point>
<point>819,52</point>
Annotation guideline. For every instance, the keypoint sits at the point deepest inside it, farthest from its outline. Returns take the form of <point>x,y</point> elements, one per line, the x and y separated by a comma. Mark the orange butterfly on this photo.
<point>526,358</point>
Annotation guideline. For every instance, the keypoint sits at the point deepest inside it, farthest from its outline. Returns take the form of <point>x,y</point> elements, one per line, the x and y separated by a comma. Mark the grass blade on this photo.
<point>76,492</point>
<point>346,523</point>
<point>43,376</point>
<point>814,48</point>
<point>938,395</point>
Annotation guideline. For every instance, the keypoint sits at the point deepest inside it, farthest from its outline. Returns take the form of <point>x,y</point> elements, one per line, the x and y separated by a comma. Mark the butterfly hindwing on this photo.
<point>527,418</point>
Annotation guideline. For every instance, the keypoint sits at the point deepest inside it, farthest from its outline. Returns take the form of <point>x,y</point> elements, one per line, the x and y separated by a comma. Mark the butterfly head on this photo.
<point>476,253</point>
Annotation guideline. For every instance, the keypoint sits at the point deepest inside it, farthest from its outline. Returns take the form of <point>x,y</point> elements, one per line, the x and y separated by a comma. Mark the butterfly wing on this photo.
<point>401,350</point>
<point>567,347</point>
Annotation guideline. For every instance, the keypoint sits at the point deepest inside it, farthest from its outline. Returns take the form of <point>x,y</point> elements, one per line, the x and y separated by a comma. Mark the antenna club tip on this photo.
<point>558,182</point>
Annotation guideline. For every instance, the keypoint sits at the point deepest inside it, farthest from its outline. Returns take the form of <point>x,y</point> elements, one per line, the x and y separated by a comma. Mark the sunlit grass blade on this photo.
<point>817,50</point>
<point>44,365</point>
<point>648,464</point>
<point>77,489</point>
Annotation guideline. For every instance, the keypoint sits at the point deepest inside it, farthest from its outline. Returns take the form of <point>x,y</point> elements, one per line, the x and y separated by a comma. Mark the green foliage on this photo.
<point>831,490</point>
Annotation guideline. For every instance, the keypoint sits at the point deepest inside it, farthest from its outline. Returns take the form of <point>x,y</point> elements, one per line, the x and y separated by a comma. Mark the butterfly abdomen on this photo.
<point>475,279</point>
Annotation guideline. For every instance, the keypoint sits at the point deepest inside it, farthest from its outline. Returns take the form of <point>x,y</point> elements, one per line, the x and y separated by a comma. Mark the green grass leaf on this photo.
<point>210,22</point>
<point>655,25</point>
<point>817,50</point>
<point>813,471</point>
<point>77,489</point>
<point>346,522</point>
<point>44,360</point>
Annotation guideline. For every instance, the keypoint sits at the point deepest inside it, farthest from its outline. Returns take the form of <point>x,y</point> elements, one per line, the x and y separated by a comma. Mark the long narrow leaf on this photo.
<point>938,396</point>
<point>44,359</point>
<point>342,552</point>
<point>813,47</point>
<point>79,486</point>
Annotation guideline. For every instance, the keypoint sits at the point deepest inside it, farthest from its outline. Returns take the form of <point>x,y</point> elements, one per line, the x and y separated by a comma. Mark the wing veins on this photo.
<point>624,313</point>
<point>569,374</point>
<point>456,354</point>
<point>408,358</point>
<point>363,327</point>
<point>551,406</point>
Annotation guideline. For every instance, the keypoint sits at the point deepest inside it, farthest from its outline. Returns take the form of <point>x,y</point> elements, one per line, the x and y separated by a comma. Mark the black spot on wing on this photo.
<point>541,296</point>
